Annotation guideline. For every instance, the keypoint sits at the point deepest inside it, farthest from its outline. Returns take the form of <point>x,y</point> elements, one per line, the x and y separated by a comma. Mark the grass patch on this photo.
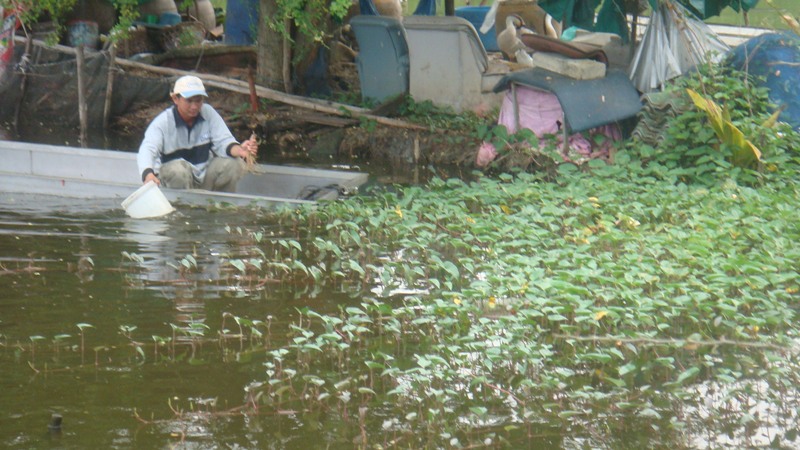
<point>762,16</point>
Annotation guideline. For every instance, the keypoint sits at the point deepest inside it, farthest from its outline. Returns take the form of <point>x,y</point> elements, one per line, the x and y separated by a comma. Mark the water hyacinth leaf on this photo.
<point>451,269</point>
<point>626,369</point>
<point>478,381</point>
<point>600,357</point>
<point>374,365</point>
<point>565,372</point>
<point>298,265</point>
<point>649,413</point>
<point>556,317</point>
<point>354,265</point>
<point>341,385</point>
<point>479,411</point>
<point>687,374</point>
<point>568,414</point>
<point>331,337</point>
<point>615,381</point>
<point>239,265</point>
<point>313,379</point>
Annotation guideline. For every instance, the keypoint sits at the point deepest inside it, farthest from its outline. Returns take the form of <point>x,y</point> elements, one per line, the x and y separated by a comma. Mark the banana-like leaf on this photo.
<point>773,119</point>
<point>743,152</point>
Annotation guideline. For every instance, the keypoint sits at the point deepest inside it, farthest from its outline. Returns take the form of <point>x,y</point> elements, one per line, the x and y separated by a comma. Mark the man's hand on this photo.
<point>152,177</point>
<point>248,148</point>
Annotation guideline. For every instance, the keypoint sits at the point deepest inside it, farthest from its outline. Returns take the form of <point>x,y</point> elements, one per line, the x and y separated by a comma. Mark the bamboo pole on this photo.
<point>109,85</point>
<point>82,110</point>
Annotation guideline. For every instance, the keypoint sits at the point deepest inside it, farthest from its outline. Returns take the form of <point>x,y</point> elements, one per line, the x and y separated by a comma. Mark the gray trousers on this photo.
<point>222,174</point>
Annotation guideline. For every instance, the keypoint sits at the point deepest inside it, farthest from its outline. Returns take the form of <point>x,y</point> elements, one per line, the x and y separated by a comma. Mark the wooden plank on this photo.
<point>331,121</point>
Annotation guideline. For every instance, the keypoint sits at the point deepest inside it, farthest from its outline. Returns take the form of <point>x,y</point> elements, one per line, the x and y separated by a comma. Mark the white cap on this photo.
<point>189,86</point>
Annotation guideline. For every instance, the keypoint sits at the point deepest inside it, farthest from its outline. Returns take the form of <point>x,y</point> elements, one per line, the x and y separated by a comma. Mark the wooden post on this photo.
<point>251,80</point>
<point>515,103</point>
<point>112,54</point>
<point>449,7</point>
<point>79,59</point>
<point>634,32</point>
<point>23,83</point>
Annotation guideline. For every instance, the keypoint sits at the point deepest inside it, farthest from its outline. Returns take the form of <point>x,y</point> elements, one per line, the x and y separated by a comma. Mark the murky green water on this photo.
<point>80,320</point>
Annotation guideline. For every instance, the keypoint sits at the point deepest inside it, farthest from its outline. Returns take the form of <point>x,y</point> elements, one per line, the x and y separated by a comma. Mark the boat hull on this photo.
<point>91,173</point>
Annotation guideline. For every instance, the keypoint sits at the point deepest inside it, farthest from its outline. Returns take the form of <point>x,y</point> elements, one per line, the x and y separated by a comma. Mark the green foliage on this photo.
<point>612,306</point>
<point>742,152</point>
<point>56,10</point>
<point>435,117</point>
<point>127,12</point>
<point>691,149</point>
<point>308,17</point>
<point>612,293</point>
<point>31,10</point>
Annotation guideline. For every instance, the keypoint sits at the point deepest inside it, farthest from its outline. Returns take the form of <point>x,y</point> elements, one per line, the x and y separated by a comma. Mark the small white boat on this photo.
<point>73,172</point>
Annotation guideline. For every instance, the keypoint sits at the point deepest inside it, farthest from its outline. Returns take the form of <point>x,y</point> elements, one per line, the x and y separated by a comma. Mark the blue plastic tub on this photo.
<point>475,15</point>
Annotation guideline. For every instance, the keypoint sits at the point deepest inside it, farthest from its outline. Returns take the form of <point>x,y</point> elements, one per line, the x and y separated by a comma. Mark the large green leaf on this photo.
<point>743,152</point>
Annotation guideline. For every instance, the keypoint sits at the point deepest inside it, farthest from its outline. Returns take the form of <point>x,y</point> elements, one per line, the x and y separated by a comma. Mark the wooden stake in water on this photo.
<point>79,59</point>
<point>112,52</point>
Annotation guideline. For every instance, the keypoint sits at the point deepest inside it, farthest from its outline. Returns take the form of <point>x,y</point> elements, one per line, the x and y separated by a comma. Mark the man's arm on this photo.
<point>150,151</point>
<point>222,138</point>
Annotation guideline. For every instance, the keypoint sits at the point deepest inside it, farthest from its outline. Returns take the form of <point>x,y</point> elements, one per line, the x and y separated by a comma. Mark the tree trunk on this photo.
<point>270,49</point>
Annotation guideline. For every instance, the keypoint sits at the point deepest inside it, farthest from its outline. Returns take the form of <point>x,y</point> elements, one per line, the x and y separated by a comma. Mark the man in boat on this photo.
<point>189,145</point>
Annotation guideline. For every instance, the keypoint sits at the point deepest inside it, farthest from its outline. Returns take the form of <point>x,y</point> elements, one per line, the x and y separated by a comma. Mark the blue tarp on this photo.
<point>774,57</point>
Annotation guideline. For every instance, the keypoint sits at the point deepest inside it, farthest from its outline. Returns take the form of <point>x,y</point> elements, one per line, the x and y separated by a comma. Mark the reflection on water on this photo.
<point>146,231</point>
<point>103,317</point>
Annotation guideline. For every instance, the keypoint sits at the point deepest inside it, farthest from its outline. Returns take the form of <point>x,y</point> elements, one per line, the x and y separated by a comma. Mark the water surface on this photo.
<point>87,293</point>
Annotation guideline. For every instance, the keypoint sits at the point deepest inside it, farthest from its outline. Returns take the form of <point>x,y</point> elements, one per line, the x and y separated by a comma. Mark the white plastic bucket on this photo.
<point>147,201</point>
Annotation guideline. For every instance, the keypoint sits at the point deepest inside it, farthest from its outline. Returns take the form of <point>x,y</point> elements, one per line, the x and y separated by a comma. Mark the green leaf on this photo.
<point>687,374</point>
